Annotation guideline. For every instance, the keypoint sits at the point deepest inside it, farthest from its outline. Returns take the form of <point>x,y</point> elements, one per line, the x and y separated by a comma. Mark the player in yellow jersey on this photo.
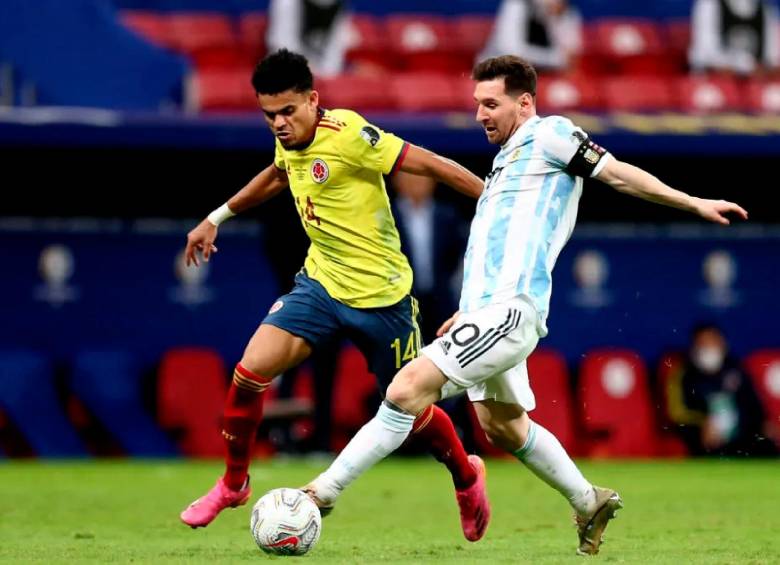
<point>355,281</point>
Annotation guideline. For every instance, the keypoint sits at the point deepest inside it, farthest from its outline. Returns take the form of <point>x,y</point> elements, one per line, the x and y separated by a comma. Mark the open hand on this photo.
<point>201,239</point>
<point>716,210</point>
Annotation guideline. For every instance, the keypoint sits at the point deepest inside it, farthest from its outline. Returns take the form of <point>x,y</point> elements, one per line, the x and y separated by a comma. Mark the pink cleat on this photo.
<point>474,503</point>
<point>201,512</point>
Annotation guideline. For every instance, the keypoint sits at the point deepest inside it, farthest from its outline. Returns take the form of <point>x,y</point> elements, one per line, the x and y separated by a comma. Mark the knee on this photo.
<point>509,435</point>
<point>405,390</point>
<point>266,362</point>
<point>499,435</point>
<point>259,365</point>
<point>272,351</point>
<point>401,392</point>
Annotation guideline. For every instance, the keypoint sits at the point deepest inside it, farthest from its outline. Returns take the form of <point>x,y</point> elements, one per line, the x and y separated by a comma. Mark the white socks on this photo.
<point>376,440</point>
<point>542,453</point>
<point>545,456</point>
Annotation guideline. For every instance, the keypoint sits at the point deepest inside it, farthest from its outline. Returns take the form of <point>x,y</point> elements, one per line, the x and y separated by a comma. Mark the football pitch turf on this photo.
<point>403,511</point>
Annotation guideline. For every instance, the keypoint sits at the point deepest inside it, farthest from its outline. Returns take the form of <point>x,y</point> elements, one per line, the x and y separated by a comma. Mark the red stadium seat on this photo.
<point>354,388</point>
<point>153,26</point>
<point>470,35</point>
<point>764,368</point>
<point>705,95</point>
<point>626,46</point>
<point>191,388</point>
<point>561,93</point>
<point>677,36</point>
<point>764,96</point>
<point>617,411</point>
<point>424,43</point>
<point>207,38</point>
<point>251,34</point>
<point>464,94</point>
<point>639,94</point>
<point>195,31</point>
<point>425,92</point>
<point>359,93</point>
<point>549,379</point>
<point>223,90</point>
<point>368,43</point>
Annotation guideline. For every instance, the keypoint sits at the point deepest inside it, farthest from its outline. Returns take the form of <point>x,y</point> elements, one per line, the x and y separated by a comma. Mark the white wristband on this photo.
<point>220,214</point>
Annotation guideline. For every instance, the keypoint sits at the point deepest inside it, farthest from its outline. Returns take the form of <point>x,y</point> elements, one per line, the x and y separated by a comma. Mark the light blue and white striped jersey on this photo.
<point>524,216</point>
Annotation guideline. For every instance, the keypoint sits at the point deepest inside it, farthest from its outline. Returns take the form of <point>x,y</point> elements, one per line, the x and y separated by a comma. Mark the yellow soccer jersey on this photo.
<point>339,191</point>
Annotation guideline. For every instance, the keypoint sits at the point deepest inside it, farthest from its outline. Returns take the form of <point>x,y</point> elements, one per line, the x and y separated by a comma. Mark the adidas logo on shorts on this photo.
<point>445,345</point>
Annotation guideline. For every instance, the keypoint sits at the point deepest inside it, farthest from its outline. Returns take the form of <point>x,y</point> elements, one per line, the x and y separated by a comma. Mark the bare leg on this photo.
<point>509,427</point>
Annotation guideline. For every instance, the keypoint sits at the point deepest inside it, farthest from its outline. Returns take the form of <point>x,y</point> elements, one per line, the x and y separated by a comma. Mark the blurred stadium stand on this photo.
<point>79,54</point>
<point>221,41</point>
<point>113,115</point>
<point>191,390</point>
<point>124,288</point>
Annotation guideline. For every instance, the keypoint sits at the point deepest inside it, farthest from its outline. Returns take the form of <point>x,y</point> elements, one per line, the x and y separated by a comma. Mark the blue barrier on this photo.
<point>28,396</point>
<point>109,385</point>
<point>648,286</point>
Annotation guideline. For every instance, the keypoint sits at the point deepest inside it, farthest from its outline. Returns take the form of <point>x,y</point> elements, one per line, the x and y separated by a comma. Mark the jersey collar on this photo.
<point>305,144</point>
<point>520,132</point>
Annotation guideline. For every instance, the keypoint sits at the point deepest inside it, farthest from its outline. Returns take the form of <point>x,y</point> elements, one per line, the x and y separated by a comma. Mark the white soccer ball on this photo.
<point>285,521</point>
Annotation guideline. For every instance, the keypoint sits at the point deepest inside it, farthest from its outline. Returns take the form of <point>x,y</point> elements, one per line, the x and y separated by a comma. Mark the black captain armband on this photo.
<point>586,158</point>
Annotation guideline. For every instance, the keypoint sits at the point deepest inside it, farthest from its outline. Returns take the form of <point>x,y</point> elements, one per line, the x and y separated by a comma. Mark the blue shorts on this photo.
<point>389,336</point>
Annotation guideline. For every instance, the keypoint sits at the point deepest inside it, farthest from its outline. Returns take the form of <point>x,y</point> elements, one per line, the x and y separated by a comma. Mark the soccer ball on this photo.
<point>285,521</point>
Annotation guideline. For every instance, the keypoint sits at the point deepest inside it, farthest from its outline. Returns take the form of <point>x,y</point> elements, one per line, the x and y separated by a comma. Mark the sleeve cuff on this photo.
<point>601,164</point>
<point>400,159</point>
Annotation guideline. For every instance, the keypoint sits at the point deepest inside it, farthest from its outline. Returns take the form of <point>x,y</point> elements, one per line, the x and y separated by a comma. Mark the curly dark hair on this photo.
<point>280,71</point>
<point>519,75</point>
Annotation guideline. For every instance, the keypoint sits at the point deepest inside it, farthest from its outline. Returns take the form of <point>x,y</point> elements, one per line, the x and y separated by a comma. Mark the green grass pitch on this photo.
<point>403,511</point>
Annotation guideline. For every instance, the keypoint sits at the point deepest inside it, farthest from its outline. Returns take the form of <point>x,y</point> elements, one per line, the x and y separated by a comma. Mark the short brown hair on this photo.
<point>518,74</point>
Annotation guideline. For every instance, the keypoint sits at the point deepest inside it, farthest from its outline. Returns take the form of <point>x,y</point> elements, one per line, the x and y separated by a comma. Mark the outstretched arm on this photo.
<point>636,182</point>
<point>269,182</point>
<point>419,161</point>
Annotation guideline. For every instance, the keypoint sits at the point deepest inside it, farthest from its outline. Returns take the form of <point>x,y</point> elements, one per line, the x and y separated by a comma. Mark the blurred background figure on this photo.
<point>433,238</point>
<point>191,289</point>
<point>56,267</point>
<point>719,270</point>
<point>317,29</point>
<point>548,33</point>
<point>737,36</point>
<point>713,402</point>
<point>591,271</point>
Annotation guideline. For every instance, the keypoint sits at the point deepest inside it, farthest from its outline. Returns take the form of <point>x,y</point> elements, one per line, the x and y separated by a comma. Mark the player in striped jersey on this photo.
<point>523,219</point>
<point>355,281</point>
